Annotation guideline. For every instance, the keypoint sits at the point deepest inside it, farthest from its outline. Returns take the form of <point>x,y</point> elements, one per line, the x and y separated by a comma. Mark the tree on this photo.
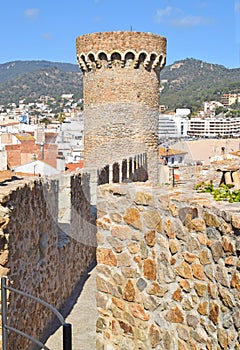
<point>61,118</point>
<point>220,109</point>
<point>46,121</point>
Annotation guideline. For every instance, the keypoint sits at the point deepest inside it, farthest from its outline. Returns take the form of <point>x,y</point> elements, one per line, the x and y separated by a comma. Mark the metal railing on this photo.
<point>67,327</point>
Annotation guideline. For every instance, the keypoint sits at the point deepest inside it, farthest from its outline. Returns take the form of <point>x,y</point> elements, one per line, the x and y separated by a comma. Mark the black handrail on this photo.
<point>67,327</point>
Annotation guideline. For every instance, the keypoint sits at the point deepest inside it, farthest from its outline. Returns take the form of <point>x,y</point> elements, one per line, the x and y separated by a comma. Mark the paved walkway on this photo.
<point>83,318</point>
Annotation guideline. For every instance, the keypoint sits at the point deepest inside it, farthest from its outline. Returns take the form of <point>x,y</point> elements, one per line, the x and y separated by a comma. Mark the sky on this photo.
<point>47,29</point>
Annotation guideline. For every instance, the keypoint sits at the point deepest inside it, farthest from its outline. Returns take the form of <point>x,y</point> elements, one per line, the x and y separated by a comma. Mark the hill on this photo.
<point>13,70</point>
<point>186,83</point>
<point>31,79</point>
<point>190,82</point>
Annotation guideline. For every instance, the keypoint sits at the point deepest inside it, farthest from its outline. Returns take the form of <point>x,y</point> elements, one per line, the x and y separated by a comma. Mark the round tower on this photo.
<point>121,79</point>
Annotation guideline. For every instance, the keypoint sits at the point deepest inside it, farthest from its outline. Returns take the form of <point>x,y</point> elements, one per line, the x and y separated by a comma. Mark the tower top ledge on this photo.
<point>121,41</point>
<point>117,45</point>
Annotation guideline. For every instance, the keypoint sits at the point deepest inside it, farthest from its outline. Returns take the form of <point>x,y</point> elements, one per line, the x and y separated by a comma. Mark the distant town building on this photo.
<point>70,140</point>
<point>171,156</point>
<point>172,125</point>
<point>162,108</point>
<point>67,96</point>
<point>214,127</point>
<point>229,99</point>
<point>36,167</point>
<point>3,159</point>
<point>23,149</point>
<point>183,112</point>
<point>209,108</point>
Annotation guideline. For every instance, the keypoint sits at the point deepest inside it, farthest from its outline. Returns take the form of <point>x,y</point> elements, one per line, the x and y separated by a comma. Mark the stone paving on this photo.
<point>83,318</point>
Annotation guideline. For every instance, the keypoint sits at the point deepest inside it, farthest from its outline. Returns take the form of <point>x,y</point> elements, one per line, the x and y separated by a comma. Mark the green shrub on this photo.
<point>221,193</point>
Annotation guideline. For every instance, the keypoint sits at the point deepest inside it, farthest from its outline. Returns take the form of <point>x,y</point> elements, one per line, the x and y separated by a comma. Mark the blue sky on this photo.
<point>47,29</point>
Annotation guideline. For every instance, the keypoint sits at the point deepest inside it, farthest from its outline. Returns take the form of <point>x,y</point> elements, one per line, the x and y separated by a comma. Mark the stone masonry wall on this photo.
<point>168,270</point>
<point>37,256</point>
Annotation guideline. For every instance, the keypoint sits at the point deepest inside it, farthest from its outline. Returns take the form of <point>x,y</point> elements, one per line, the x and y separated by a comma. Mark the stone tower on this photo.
<point>121,76</point>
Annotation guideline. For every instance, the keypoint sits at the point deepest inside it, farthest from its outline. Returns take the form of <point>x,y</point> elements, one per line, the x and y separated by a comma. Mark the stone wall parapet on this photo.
<point>31,256</point>
<point>168,269</point>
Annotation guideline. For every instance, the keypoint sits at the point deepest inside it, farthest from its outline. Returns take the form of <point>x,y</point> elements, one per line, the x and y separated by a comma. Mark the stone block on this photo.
<point>133,247</point>
<point>221,275</point>
<point>236,220</point>
<point>177,295</point>
<point>150,238</point>
<point>124,259</point>
<point>154,335</point>
<point>185,285</point>
<point>132,217</point>
<point>139,312</point>
<point>203,308</point>
<point>157,289</point>
<point>228,245</point>
<point>217,251</point>
<point>189,257</point>
<point>129,291</point>
<point>175,315</point>
<point>226,297</point>
<point>152,219</point>
<point>212,220</point>
<point>106,256</point>
<point>196,224</point>
<point>169,228</point>
<point>117,245</point>
<point>223,338</point>
<point>143,198</point>
<point>183,332</point>
<point>192,320</point>
<point>184,270</point>
<point>122,232</point>
<point>127,329</point>
<point>198,271</point>
<point>235,281</point>
<point>174,246</point>
<point>105,286</point>
<point>214,313</point>
<point>205,256</point>
<point>150,271</point>
<point>201,288</point>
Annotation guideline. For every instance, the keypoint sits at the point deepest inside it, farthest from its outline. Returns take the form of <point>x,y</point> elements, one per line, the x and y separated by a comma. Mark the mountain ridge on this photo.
<point>184,83</point>
<point>32,79</point>
<point>190,82</point>
<point>14,69</point>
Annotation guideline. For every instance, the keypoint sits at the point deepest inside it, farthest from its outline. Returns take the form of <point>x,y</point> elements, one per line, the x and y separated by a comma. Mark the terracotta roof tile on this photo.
<point>163,152</point>
<point>74,166</point>
<point>25,137</point>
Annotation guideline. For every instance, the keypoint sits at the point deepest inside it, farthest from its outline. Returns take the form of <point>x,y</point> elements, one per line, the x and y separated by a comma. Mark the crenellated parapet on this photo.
<point>130,58</point>
<point>121,49</point>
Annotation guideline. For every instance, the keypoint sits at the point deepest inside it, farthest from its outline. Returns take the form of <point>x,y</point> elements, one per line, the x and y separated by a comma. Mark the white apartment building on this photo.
<point>70,139</point>
<point>172,126</point>
<point>214,127</point>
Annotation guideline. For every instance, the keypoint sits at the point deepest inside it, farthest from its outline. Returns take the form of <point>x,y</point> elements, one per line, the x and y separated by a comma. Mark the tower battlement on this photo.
<point>124,49</point>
